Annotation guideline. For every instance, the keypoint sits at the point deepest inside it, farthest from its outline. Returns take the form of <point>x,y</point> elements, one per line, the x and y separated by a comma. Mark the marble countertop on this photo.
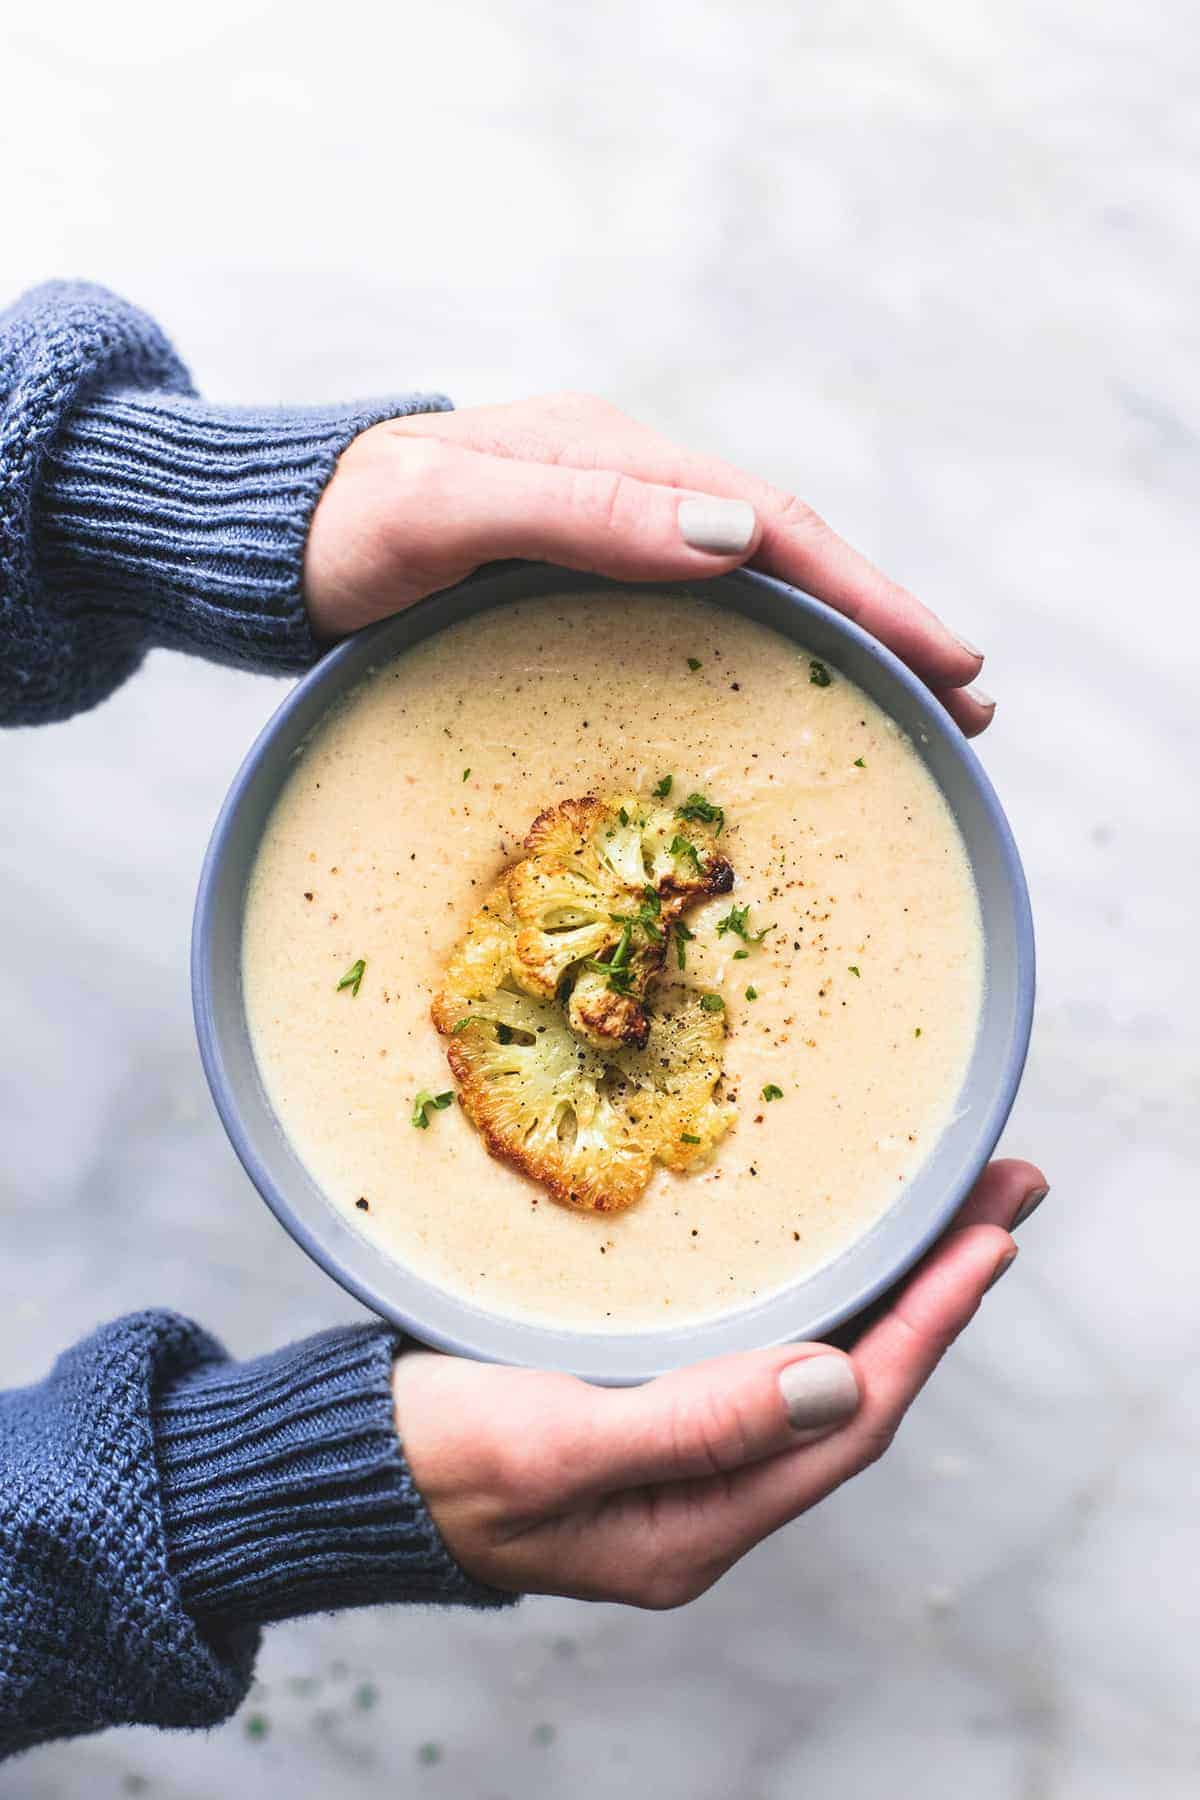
<point>934,267</point>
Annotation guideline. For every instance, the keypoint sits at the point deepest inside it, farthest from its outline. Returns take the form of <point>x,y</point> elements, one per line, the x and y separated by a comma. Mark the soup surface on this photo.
<point>860,1004</point>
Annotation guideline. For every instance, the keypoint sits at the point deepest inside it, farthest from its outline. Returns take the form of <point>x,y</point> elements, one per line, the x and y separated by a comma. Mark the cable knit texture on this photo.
<point>132,513</point>
<point>158,1503</point>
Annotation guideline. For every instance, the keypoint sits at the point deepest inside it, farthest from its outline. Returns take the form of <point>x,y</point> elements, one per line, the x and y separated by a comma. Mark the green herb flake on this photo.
<point>466,772</point>
<point>818,674</point>
<point>701,810</point>
<point>859,763</point>
<point>352,979</point>
<point>712,1003</point>
<point>623,816</point>
<point>663,788</point>
<point>257,1725</point>
<point>740,955</point>
<point>854,970</point>
<point>459,1026</point>
<point>735,920</point>
<point>693,663</point>
<point>752,993</point>
<point>425,1103</point>
<point>681,846</point>
<point>429,1754</point>
<point>771,1092</point>
<point>683,937</point>
<point>917,1032</point>
<point>686,1137</point>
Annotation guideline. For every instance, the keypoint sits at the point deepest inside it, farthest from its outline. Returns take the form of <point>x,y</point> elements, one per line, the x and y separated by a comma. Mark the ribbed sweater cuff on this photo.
<point>192,518</point>
<point>285,1491</point>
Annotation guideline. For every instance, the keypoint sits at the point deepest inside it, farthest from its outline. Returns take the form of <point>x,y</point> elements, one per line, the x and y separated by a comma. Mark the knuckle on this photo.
<point>711,1435</point>
<point>608,500</point>
<point>573,403</point>
<point>790,512</point>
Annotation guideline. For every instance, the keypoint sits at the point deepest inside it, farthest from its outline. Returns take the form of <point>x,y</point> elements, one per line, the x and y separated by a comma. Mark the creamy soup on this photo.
<point>860,1005</point>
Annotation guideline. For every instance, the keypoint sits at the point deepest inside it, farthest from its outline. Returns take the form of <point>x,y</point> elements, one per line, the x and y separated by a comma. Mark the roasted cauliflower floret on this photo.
<point>601,884</point>
<point>587,1122</point>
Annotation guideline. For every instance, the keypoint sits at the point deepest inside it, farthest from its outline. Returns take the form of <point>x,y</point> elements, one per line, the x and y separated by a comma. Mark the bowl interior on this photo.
<point>807,1309</point>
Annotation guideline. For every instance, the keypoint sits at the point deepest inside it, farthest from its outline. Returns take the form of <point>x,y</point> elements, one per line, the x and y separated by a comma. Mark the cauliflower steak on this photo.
<point>561,1066</point>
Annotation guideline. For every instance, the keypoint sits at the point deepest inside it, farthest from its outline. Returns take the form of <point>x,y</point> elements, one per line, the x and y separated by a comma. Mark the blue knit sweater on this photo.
<point>158,1503</point>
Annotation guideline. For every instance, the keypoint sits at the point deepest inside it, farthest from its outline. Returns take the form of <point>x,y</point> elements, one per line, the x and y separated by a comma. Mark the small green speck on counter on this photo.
<point>543,1735</point>
<point>257,1725</point>
<point>352,979</point>
<point>365,1696</point>
<point>429,1754</point>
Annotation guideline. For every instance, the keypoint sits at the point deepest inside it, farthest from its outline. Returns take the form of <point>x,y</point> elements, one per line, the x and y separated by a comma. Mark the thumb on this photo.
<point>710,1419</point>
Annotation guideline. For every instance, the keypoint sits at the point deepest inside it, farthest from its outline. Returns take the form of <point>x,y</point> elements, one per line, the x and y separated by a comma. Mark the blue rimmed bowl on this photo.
<point>808,1308</point>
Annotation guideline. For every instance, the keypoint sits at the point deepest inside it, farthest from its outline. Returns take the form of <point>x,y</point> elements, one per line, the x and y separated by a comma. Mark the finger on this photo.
<point>711,1419</point>
<point>575,431</point>
<point>457,508</point>
<point>1005,1194</point>
<point>971,709</point>
<point>893,1363</point>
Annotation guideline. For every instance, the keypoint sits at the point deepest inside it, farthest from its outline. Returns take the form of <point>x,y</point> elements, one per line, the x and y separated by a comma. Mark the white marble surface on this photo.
<point>934,265</point>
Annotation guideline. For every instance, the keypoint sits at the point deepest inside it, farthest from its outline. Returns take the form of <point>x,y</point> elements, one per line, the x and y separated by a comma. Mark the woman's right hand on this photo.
<point>540,1483</point>
<point>415,504</point>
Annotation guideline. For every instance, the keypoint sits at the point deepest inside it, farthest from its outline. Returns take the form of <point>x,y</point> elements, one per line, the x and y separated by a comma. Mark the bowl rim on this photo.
<point>478,1332</point>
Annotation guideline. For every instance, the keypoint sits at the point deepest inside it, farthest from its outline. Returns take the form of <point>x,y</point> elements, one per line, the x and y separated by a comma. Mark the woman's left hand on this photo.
<point>539,1483</point>
<point>416,504</point>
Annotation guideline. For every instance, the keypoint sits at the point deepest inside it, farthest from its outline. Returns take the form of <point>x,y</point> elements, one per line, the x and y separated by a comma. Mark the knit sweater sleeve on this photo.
<point>158,1503</point>
<point>134,514</point>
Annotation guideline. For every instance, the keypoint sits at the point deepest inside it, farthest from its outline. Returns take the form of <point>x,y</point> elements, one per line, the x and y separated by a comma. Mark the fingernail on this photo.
<point>722,526</point>
<point>977,694</point>
<point>1029,1205</point>
<point>966,644</point>
<point>819,1393</point>
<point>1002,1267</point>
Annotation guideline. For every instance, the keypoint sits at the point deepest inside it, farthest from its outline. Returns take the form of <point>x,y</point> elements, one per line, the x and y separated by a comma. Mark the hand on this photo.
<point>542,1484</point>
<point>416,504</point>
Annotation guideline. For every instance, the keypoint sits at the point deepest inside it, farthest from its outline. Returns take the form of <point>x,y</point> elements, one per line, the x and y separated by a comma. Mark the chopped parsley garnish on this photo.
<point>712,1003</point>
<point>460,1025</point>
<point>693,663</point>
<point>466,772</point>
<point>752,993</point>
<point>735,921</point>
<point>425,1103</point>
<point>818,674</point>
<point>352,979</point>
<point>855,970</point>
<point>623,816</point>
<point>859,763</point>
<point>771,1092</point>
<point>681,846</point>
<point>701,811</point>
<point>683,937</point>
<point>663,788</point>
<point>917,1032</point>
<point>686,1137</point>
<point>616,970</point>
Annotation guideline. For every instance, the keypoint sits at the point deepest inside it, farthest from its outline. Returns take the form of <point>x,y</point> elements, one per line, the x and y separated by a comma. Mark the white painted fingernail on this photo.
<point>981,699</point>
<point>723,526</point>
<point>819,1393</point>
<point>1029,1206</point>
<point>1002,1267</point>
